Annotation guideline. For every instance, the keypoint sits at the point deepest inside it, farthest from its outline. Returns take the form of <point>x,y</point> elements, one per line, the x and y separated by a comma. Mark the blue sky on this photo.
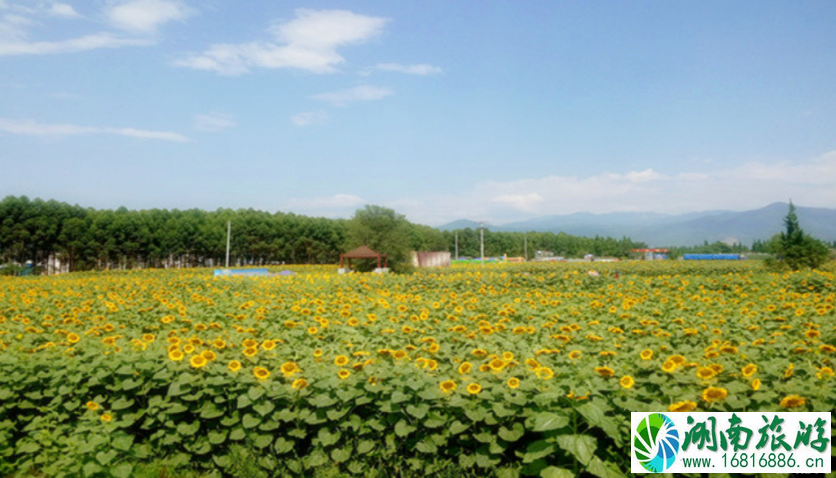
<point>488,110</point>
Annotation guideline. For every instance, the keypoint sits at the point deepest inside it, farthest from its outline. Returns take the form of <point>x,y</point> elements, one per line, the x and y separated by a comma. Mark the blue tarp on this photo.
<point>240,272</point>
<point>711,257</point>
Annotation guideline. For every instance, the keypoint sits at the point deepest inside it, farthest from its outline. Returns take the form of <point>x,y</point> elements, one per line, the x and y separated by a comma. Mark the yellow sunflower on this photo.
<point>261,373</point>
<point>684,406</point>
<point>792,401</point>
<point>714,394</point>
<point>198,361</point>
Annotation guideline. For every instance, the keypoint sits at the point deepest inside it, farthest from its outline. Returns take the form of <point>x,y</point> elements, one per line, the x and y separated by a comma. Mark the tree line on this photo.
<point>86,238</point>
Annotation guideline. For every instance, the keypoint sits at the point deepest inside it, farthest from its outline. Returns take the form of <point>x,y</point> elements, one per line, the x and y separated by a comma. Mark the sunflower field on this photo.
<point>505,370</point>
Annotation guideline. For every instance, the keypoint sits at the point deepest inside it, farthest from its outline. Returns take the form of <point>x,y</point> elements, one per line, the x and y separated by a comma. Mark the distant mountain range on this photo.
<point>675,230</point>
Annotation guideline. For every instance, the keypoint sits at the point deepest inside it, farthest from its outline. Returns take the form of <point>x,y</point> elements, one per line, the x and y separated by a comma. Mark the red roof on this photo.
<point>361,252</point>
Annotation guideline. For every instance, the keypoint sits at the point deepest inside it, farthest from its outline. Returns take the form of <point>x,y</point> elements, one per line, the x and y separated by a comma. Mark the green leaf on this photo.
<point>399,397</point>
<point>237,434</point>
<point>186,429</point>
<point>250,420</point>
<point>209,411</point>
<point>595,416</point>
<point>418,411</point>
<point>476,414</point>
<point>603,469</point>
<point>223,461</point>
<point>323,400</point>
<point>335,414</point>
<point>497,447</point>
<point>547,421</point>
<point>316,458</point>
<point>122,470</point>
<point>177,408</point>
<point>485,460</point>
<point>582,447</point>
<point>28,447</point>
<point>179,388</point>
<point>435,421</point>
<point>402,428</point>
<point>243,402</point>
<point>507,473</point>
<point>555,472</point>
<point>255,393</point>
<point>286,415</point>
<point>123,442</point>
<point>90,468</point>
<point>512,434</point>
<point>105,457</point>
<point>283,445</point>
<point>458,427</point>
<point>264,408</point>
<point>263,441</point>
<point>327,437</point>
<point>121,404</point>
<point>269,425</point>
<point>427,447</point>
<point>341,455</point>
<point>536,450</point>
<point>356,467</point>
<point>217,437</point>
<point>365,446</point>
<point>486,436</point>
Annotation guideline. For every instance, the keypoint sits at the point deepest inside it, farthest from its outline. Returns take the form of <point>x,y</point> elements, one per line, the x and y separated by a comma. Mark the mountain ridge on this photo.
<point>689,229</point>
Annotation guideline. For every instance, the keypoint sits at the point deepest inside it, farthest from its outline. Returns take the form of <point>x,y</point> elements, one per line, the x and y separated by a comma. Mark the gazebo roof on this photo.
<point>362,252</point>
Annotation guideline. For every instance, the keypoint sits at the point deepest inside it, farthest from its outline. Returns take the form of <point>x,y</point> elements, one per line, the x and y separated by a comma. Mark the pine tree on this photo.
<point>796,249</point>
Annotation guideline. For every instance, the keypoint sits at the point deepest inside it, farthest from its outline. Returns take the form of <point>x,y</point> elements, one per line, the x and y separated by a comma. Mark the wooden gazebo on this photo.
<point>362,252</point>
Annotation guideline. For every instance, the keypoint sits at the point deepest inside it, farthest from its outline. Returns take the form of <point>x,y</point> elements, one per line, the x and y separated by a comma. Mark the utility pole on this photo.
<point>482,241</point>
<point>457,245</point>
<point>525,247</point>
<point>228,234</point>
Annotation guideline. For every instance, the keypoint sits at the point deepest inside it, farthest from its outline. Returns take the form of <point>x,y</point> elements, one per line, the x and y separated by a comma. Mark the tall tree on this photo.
<point>383,230</point>
<point>797,249</point>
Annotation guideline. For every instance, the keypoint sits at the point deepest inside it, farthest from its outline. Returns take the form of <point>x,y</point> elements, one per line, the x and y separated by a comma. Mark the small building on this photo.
<point>653,254</point>
<point>431,258</point>
<point>363,252</point>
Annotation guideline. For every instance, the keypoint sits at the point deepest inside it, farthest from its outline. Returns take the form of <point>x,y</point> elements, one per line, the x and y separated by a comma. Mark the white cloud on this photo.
<point>750,186</point>
<point>63,10</point>
<point>523,202</point>
<point>145,16</point>
<point>138,16</point>
<point>359,93</point>
<point>308,42</point>
<point>85,43</point>
<point>213,122</point>
<point>420,69</point>
<point>309,118</point>
<point>32,128</point>
<point>13,27</point>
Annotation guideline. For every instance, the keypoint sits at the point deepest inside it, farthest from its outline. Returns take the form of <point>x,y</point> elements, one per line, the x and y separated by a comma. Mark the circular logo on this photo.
<point>656,442</point>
